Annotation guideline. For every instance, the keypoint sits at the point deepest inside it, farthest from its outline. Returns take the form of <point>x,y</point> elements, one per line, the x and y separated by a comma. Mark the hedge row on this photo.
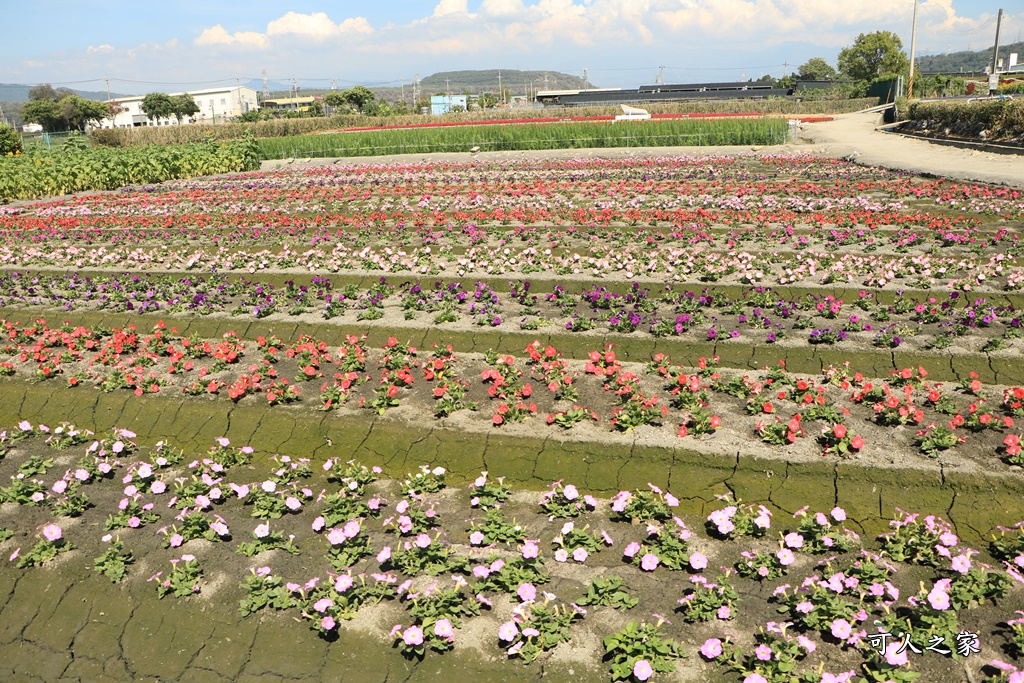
<point>1004,116</point>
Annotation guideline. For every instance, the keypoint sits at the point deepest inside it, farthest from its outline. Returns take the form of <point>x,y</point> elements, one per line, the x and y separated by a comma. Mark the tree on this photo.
<point>872,56</point>
<point>182,106</point>
<point>46,113</point>
<point>78,112</point>
<point>358,97</point>
<point>817,69</point>
<point>378,108</point>
<point>157,105</point>
<point>45,91</point>
<point>70,113</point>
<point>336,98</point>
<point>487,100</point>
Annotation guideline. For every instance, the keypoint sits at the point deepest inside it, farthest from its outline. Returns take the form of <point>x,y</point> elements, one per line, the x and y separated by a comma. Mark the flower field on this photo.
<point>737,418</point>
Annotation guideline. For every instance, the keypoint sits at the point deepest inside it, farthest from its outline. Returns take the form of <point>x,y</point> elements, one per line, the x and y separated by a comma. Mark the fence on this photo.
<point>47,141</point>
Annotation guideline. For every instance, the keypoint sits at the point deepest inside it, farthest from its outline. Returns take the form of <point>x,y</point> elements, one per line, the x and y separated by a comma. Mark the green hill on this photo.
<point>14,92</point>
<point>475,82</point>
<point>965,61</point>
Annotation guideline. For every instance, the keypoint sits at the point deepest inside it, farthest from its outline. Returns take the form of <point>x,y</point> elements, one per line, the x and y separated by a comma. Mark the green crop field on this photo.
<point>761,131</point>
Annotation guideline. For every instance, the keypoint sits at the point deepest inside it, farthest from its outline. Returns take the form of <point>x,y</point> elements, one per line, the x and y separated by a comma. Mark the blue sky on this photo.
<point>144,46</point>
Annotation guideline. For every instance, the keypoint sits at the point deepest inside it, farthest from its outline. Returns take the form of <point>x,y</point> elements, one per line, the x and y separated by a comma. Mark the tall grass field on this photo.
<point>674,133</point>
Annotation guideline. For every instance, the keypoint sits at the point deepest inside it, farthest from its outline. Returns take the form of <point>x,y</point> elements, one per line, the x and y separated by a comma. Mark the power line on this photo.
<point>724,68</point>
<point>977,29</point>
<point>127,80</point>
<point>91,80</point>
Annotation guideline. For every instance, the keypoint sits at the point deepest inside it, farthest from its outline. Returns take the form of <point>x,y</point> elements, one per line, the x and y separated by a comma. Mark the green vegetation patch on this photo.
<point>761,131</point>
<point>78,169</point>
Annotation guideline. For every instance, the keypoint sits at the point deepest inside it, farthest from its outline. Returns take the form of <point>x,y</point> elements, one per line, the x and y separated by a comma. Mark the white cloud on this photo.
<point>451,7</point>
<point>99,49</point>
<point>218,35</point>
<point>502,9</point>
<point>317,26</point>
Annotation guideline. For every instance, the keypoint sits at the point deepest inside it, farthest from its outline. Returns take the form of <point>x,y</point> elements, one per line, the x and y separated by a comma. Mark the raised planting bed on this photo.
<point>780,397</point>
<point>416,575</point>
<point>542,414</point>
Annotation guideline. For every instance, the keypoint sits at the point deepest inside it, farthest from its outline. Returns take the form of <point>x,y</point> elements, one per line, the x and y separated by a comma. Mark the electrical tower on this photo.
<point>661,76</point>
<point>266,86</point>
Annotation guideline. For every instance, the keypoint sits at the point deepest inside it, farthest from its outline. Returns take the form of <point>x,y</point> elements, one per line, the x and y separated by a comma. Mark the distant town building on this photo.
<point>443,104</point>
<point>289,103</point>
<point>32,128</point>
<point>215,106</point>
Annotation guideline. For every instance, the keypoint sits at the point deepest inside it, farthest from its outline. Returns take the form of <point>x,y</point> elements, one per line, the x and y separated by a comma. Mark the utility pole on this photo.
<point>586,86</point>
<point>501,96</point>
<point>913,45</point>
<point>110,108</point>
<point>785,65</point>
<point>266,87</point>
<point>995,52</point>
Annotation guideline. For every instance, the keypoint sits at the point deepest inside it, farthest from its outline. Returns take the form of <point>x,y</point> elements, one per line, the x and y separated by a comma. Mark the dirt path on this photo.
<point>855,135</point>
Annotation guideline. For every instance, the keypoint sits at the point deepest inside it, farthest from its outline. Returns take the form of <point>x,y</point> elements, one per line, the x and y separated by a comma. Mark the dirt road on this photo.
<point>855,135</point>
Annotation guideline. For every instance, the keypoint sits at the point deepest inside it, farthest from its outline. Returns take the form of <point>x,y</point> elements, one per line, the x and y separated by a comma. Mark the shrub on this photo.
<point>1004,115</point>
<point>10,141</point>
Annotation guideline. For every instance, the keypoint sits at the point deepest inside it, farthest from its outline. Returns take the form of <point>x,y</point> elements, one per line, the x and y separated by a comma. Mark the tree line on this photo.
<point>58,109</point>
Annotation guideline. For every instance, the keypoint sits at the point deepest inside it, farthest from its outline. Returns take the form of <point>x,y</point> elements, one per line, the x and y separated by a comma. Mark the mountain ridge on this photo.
<point>968,60</point>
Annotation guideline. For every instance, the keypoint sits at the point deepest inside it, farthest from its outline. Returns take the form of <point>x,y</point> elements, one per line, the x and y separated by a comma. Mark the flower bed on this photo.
<point>497,569</point>
<point>609,332</point>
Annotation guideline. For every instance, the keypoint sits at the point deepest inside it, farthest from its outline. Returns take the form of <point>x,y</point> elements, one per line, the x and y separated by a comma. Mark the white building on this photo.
<point>216,105</point>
